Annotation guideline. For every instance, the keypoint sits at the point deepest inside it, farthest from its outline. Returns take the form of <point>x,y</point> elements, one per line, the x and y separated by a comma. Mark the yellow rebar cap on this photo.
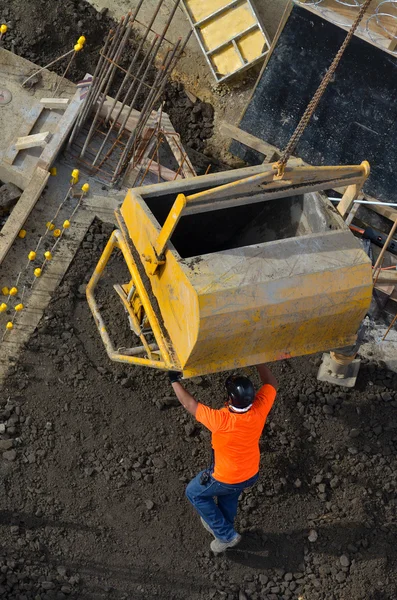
<point>47,254</point>
<point>32,255</point>
<point>9,325</point>
<point>13,291</point>
<point>22,234</point>
<point>78,47</point>
<point>53,171</point>
<point>66,224</point>
<point>37,272</point>
<point>81,40</point>
<point>5,291</point>
<point>85,187</point>
<point>57,232</point>
<point>3,28</point>
<point>50,226</point>
<point>19,307</point>
<point>3,307</point>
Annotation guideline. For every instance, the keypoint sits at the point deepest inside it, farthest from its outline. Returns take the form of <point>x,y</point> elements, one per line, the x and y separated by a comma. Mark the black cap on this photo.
<point>240,391</point>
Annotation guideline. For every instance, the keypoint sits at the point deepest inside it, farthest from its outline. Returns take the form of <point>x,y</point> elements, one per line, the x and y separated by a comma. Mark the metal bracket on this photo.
<point>154,255</point>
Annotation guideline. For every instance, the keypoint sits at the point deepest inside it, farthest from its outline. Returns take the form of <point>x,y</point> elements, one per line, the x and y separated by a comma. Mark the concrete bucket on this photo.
<point>232,269</point>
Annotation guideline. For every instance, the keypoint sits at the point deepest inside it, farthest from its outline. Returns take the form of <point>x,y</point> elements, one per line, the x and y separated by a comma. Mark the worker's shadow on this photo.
<point>268,552</point>
<point>273,550</point>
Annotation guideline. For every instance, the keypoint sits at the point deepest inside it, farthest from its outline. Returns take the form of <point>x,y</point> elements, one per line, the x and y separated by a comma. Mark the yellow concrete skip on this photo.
<point>247,273</point>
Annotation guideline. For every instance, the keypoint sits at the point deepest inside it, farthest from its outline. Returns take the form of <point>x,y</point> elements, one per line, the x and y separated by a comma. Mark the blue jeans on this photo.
<point>220,517</point>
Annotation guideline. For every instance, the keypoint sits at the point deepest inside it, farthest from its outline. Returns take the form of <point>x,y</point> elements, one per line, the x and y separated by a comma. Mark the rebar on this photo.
<point>149,59</point>
<point>114,54</point>
<point>109,125</point>
<point>87,105</point>
<point>143,40</point>
<point>122,105</point>
<point>148,105</point>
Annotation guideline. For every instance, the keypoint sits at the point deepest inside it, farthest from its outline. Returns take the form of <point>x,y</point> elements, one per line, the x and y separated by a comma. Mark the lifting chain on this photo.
<point>280,165</point>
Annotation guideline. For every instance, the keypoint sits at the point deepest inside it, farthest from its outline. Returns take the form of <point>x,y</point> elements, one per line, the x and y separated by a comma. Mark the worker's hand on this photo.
<point>174,376</point>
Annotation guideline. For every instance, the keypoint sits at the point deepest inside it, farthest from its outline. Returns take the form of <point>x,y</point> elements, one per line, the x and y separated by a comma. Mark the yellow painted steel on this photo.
<point>230,309</point>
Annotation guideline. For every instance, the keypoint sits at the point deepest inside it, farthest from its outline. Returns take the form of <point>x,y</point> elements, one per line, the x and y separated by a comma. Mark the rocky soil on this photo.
<point>96,457</point>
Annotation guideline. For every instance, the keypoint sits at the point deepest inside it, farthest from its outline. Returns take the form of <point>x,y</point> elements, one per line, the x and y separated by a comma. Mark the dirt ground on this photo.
<point>96,457</point>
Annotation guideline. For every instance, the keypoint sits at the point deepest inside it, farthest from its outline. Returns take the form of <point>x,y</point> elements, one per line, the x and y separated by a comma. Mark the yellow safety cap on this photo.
<point>85,187</point>
<point>50,226</point>
<point>3,307</point>
<point>5,291</point>
<point>9,325</point>
<point>3,28</point>
<point>37,272</point>
<point>19,307</point>
<point>81,40</point>
<point>53,171</point>
<point>48,254</point>
<point>13,291</point>
<point>66,224</point>
<point>32,255</point>
<point>75,173</point>
<point>22,234</point>
<point>57,232</point>
<point>78,47</point>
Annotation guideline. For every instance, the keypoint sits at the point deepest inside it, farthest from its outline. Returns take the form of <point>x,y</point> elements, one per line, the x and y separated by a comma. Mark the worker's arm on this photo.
<point>267,376</point>
<point>186,399</point>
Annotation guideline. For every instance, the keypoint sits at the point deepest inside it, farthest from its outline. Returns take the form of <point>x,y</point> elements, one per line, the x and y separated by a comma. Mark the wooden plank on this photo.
<point>62,131</point>
<point>388,212</point>
<point>165,173</point>
<point>24,130</point>
<point>388,277</point>
<point>346,203</point>
<point>13,175</point>
<point>175,143</point>
<point>22,210</point>
<point>33,141</point>
<point>54,103</point>
<point>271,153</point>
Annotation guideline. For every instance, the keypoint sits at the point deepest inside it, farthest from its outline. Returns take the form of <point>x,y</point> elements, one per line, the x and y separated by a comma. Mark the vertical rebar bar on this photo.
<point>94,82</point>
<point>115,53</point>
<point>160,41</point>
<point>155,47</point>
<point>158,86</point>
<point>142,42</point>
<point>119,112</point>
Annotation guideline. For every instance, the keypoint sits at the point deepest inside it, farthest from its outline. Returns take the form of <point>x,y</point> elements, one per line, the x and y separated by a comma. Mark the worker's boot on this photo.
<point>207,527</point>
<point>217,546</point>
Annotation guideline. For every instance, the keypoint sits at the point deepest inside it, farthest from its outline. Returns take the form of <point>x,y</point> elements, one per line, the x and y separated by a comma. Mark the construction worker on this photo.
<point>236,430</point>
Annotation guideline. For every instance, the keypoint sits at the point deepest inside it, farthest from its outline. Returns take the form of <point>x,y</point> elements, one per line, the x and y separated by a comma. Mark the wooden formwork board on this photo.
<point>32,187</point>
<point>230,34</point>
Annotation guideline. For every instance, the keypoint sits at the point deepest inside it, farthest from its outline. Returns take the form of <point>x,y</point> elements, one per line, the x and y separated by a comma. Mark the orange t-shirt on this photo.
<point>235,436</point>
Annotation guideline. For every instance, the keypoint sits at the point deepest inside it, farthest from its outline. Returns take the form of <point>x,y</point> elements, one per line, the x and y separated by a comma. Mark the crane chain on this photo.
<point>280,165</point>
